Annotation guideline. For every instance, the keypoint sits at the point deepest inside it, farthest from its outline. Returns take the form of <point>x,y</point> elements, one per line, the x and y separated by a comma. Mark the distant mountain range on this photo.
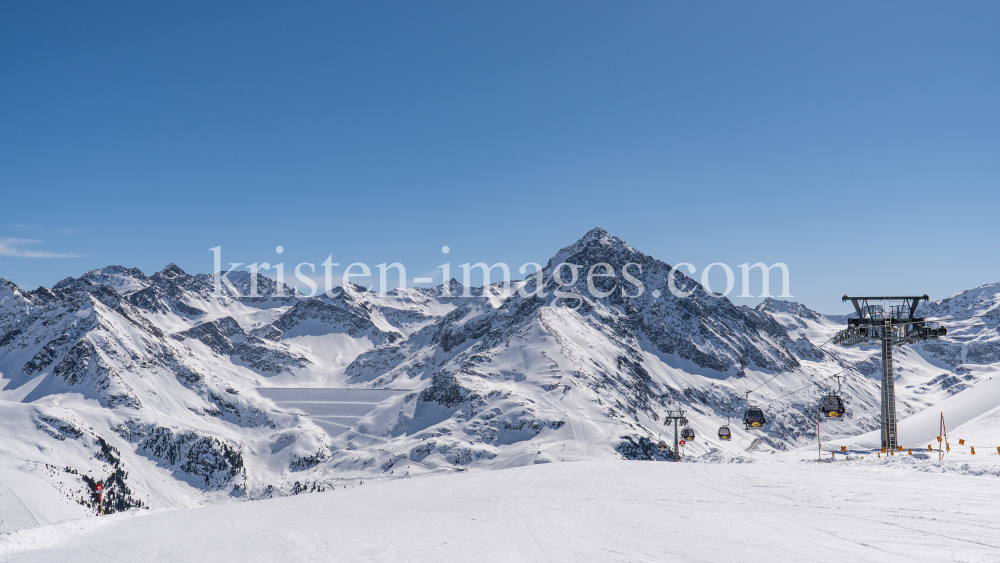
<point>158,387</point>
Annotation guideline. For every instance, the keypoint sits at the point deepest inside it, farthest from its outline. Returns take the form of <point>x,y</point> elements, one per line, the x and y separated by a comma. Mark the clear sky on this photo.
<point>857,142</point>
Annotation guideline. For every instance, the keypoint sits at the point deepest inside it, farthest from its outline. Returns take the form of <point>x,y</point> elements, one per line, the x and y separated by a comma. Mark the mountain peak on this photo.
<point>9,290</point>
<point>603,238</point>
<point>597,244</point>
<point>779,306</point>
<point>600,236</point>
<point>123,280</point>
<point>172,271</point>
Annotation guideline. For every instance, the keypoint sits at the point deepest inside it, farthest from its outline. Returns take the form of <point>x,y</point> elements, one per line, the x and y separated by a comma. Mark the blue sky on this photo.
<point>857,143</point>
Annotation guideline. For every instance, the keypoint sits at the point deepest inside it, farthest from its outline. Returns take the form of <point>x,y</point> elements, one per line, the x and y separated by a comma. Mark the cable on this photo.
<point>763,384</point>
<point>816,383</point>
<point>960,337</point>
<point>707,418</point>
<point>828,340</point>
<point>971,443</point>
<point>959,318</point>
<point>973,326</point>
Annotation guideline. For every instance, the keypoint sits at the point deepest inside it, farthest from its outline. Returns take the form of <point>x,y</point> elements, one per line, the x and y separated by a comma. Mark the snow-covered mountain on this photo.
<point>165,391</point>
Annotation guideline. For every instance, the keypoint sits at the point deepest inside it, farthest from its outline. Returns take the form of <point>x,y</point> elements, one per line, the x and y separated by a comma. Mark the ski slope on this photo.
<point>771,510</point>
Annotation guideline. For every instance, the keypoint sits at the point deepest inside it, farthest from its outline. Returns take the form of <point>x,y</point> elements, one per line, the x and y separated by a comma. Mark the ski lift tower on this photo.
<point>889,321</point>
<point>676,417</point>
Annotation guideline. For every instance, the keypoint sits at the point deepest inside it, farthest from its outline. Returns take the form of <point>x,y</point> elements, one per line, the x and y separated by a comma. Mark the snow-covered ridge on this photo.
<point>150,383</point>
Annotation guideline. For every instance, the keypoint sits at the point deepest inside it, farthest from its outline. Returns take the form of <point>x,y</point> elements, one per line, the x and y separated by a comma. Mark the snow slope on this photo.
<point>590,511</point>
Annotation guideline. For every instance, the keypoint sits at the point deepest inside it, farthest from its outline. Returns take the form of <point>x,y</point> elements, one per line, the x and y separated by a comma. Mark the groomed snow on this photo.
<point>777,509</point>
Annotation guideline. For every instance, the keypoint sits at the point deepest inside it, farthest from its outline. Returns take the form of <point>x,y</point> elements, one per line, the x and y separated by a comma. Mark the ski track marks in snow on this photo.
<point>576,511</point>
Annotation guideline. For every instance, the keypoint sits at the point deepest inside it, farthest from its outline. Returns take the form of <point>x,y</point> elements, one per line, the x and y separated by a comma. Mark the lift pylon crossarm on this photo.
<point>861,304</point>
<point>886,318</point>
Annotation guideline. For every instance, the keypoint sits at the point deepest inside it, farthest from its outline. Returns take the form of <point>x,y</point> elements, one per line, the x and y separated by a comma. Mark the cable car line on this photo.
<point>973,326</point>
<point>831,404</point>
<point>816,383</point>
<point>959,318</point>
<point>763,384</point>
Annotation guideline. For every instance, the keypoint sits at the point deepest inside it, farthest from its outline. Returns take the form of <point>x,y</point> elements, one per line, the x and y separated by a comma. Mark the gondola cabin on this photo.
<point>832,406</point>
<point>687,434</point>
<point>724,433</point>
<point>754,418</point>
